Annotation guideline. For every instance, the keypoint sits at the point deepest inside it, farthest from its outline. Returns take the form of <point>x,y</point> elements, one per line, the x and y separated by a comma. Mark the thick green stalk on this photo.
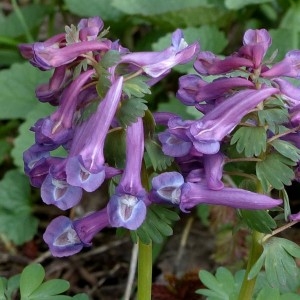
<point>247,288</point>
<point>144,271</point>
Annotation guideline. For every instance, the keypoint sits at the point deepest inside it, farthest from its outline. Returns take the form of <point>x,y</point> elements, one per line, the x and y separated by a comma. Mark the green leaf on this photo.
<point>115,156</point>
<point>286,201</point>
<point>136,86</point>
<point>17,85</point>
<point>213,284</point>
<point>13,284</point>
<point>173,13</point>
<point>16,220</point>
<point>156,225</point>
<point>81,297</point>
<point>26,137</point>
<point>155,7</point>
<point>258,220</point>
<point>10,25</point>
<point>3,286</point>
<point>292,248</point>
<point>289,296</point>
<point>283,40</point>
<point>290,20</point>
<point>110,58</point>
<point>238,4</point>
<point>250,140</point>
<point>101,8</point>
<point>130,110</point>
<point>273,117</point>
<point>287,149</point>
<point>257,266</point>
<point>5,147</point>
<point>158,159</point>
<point>31,278</point>
<point>275,170</point>
<point>280,267</point>
<point>268,293</point>
<point>50,288</point>
<point>224,275</point>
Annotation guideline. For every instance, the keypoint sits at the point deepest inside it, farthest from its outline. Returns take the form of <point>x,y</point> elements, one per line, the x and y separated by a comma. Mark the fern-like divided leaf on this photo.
<point>279,264</point>
<point>275,171</point>
<point>221,286</point>
<point>158,159</point>
<point>136,87</point>
<point>157,226</point>
<point>250,140</point>
<point>130,110</point>
<point>286,149</point>
<point>258,220</point>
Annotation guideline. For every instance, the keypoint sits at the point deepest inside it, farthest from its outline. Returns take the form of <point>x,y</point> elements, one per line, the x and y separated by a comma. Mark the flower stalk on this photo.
<point>247,288</point>
<point>144,271</point>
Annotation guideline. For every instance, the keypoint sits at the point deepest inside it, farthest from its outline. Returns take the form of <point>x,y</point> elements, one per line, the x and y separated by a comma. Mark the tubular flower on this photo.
<point>256,44</point>
<point>216,124</point>
<point>193,89</point>
<point>170,187</point>
<point>66,237</point>
<point>57,191</point>
<point>85,165</point>
<point>50,92</point>
<point>197,193</point>
<point>58,127</point>
<point>49,54</point>
<point>127,207</point>
<point>156,64</point>
<point>208,63</point>
<point>289,66</point>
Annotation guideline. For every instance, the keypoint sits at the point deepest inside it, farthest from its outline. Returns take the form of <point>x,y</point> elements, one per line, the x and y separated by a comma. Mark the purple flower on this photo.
<point>156,64</point>
<point>171,188</point>
<point>85,165</point>
<point>193,194</point>
<point>66,237</point>
<point>213,167</point>
<point>47,55</point>
<point>256,44</point>
<point>50,92</point>
<point>162,118</point>
<point>88,29</point>
<point>288,91</point>
<point>193,89</point>
<point>289,66</point>
<point>57,191</point>
<point>208,63</point>
<point>216,124</point>
<point>294,217</point>
<point>166,188</point>
<point>175,141</point>
<point>127,207</point>
<point>189,86</point>
<point>58,127</point>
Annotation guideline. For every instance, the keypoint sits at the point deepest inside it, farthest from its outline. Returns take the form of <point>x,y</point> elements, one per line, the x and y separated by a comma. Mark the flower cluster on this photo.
<point>89,87</point>
<point>240,92</point>
<point>91,71</point>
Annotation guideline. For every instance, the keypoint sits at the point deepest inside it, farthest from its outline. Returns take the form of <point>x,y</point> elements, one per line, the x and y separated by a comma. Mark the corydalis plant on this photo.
<point>250,114</point>
<point>97,88</point>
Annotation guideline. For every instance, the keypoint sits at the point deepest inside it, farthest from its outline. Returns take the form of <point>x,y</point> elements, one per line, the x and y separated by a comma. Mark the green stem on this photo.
<point>144,271</point>
<point>247,288</point>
